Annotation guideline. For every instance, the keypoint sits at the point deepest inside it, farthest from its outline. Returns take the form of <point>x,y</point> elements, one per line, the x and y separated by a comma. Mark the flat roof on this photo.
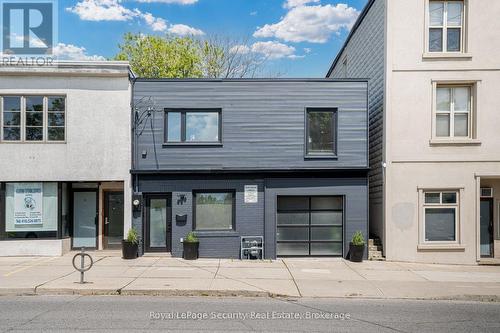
<point>250,80</point>
<point>66,68</point>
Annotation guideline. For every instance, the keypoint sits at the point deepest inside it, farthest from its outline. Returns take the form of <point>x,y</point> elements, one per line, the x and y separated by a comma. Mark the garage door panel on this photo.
<point>326,249</point>
<point>326,234</point>
<point>293,203</point>
<point>293,234</point>
<point>326,218</point>
<point>293,218</point>
<point>327,203</point>
<point>293,249</point>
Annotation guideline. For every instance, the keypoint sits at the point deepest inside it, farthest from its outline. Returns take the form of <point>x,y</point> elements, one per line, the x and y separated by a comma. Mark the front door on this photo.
<point>158,228</point>
<point>113,220</point>
<point>486,227</point>
<point>85,214</point>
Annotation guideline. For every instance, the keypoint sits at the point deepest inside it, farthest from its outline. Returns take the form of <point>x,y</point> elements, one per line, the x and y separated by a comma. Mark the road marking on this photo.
<point>28,267</point>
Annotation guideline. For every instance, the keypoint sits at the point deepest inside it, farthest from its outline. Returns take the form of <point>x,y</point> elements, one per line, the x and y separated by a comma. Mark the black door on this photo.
<point>486,227</point>
<point>113,220</point>
<point>310,226</point>
<point>158,228</point>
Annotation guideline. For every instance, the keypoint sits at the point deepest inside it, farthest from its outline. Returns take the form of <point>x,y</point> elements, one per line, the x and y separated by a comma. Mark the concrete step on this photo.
<point>374,242</point>
<point>374,247</point>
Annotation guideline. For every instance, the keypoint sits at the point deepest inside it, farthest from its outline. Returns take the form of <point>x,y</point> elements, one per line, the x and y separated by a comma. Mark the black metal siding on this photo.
<point>256,219</point>
<point>263,123</point>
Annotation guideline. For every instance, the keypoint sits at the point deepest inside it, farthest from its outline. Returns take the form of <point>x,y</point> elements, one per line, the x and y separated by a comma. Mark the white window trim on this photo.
<point>438,245</point>
<point>444,54</point>
<point>472,139</point>
<point>45,118</point>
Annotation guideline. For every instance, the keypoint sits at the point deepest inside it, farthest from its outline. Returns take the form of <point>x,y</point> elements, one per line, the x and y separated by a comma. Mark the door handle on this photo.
<point>106,221</point>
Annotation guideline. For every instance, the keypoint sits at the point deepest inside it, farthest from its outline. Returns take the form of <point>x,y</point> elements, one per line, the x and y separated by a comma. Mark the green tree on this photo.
<point>153,56</point>
<point>161,56</point>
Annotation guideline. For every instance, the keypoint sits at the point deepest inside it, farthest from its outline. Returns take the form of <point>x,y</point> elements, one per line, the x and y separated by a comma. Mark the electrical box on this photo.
<point>252,247</point>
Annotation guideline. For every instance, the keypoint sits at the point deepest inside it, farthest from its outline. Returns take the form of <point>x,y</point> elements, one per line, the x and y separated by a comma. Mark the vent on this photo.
<point>486,192</point>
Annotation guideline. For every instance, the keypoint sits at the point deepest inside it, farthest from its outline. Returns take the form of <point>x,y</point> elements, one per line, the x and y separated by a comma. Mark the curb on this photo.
<point>227,293</point>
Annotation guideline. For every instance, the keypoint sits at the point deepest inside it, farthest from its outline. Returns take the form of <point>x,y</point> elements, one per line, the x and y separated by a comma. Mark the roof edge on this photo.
<point>355,27</point>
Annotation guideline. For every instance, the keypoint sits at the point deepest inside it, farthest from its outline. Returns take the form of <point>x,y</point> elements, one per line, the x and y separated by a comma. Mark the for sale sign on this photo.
<point>28,203</point>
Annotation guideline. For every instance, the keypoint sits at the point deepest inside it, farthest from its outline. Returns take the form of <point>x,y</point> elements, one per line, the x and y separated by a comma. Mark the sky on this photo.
<point>300,38</point>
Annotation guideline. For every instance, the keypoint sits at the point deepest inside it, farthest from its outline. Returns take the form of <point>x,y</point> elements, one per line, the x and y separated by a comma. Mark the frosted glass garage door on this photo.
<point>310,226</point>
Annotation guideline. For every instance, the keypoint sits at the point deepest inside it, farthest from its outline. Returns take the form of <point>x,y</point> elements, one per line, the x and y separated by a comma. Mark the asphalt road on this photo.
<point>122,313</point>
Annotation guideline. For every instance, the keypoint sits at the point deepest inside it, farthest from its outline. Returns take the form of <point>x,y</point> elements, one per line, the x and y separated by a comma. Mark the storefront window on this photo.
<point>31,210</point>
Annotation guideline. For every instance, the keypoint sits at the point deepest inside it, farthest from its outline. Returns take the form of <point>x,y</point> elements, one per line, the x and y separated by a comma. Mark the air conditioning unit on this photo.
<point>252,247</point>
<point>486,192</point>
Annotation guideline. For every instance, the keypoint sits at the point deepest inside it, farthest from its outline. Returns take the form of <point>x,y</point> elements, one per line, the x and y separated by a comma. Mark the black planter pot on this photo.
<point>191,250</point>
<point>356,252</point>
<point>129,250</point>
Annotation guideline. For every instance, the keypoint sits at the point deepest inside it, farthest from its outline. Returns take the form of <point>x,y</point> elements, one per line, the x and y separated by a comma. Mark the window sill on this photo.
<point>216,233</point>
<point>441,247</point>
<point>320,157</point>
<point>454,142</point>
<point>193,144</point>
<point>447,56</point>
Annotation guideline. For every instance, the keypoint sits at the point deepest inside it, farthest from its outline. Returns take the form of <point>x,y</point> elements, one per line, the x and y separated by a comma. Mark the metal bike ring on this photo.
<point>81,270</point>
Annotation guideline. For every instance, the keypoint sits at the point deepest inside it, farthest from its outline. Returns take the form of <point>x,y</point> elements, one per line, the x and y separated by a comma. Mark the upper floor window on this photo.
<point>193,126</point>
<point>33,118</point>
<point>453,111</point>
<point>446,26</point>
<point>321,131</point>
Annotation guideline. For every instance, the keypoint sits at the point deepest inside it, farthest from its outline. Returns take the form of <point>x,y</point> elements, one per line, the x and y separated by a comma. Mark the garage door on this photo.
<point>310,226</point>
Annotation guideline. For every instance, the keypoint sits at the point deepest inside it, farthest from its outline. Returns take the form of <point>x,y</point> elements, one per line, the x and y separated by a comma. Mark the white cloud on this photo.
<point>184,30</point>
<point>307,50</point>
<point>240,49</point>
<point>273,50</point>
<point>155,23</point>
<point>297,3</point>
<point>71,52</point>
<point>313,24</point>
<point>254,13</point>
<point>295,56</point>
<point>178,2</point>
<point>102,10</point>
<point>113,10</point>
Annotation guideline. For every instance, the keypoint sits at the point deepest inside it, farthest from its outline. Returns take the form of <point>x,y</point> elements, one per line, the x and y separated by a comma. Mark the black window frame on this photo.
<point>233,215</point>
<point>312,154</point>
<point>183,141</point>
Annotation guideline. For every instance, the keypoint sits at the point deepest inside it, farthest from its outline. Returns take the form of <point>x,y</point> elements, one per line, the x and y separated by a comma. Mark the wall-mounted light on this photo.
<point>144,153</point>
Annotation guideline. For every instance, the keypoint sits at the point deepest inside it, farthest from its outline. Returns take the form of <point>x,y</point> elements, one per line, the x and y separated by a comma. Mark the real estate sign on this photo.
<point>28,203</point>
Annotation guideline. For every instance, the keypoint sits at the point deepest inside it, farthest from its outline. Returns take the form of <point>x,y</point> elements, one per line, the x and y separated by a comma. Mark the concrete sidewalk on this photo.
<point>311,277</point>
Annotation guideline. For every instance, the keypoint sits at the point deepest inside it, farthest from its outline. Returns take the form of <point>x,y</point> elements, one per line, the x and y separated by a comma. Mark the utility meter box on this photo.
<point>252,247</point>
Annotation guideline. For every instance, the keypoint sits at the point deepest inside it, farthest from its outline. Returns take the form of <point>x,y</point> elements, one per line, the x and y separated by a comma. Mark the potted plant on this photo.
<point>130,245</point>
<point>357,247</point>
<point>191,245</point>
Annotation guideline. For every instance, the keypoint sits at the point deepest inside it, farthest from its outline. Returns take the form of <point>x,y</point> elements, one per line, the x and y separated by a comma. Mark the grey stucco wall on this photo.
<point>256,219</point>
<point>365,54</point>
<point>263,123</point>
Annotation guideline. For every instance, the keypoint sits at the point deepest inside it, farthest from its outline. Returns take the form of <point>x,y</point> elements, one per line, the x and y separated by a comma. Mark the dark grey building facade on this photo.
<point>285,160</point>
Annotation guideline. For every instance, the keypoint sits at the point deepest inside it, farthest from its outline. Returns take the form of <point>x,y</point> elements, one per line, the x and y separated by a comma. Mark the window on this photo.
<point>214,210</point>
<point>453,112</point>
<point>33,118</point>
<point>446,26</point>
<point>440,212</point>
<point>321,132</point>
<point>193,126</point>
<point>31,210</point>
